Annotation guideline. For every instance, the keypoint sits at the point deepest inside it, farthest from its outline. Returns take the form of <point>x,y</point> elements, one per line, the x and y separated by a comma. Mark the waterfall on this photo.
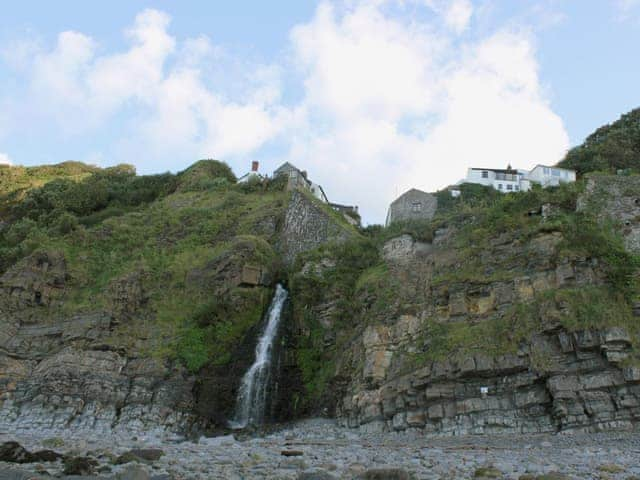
<point>252,395</point>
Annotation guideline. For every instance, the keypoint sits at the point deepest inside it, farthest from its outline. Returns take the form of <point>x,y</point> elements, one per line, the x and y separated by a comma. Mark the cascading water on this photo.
<point>252,395</point>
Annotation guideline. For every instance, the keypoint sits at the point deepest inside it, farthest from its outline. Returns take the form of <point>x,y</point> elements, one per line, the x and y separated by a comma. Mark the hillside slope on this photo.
<point>508,313</point>
<point>610,148</point>
<point>134,302</point>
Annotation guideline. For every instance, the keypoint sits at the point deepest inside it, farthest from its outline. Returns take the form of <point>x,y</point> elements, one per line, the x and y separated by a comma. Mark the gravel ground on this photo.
<point>320,450</point>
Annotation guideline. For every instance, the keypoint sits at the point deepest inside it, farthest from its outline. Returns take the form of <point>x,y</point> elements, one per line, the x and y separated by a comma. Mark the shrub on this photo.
<point>200,175</point>
<point>65,223</point>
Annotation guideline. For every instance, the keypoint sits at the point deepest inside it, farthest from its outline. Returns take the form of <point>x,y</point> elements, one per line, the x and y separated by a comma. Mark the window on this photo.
<point>416,207</point>
<point>555,173</point>
<point>546,170</point>
<point>485,174</point>
<point>509,186</point>
<point>499,186</point>
<point>516,188</point>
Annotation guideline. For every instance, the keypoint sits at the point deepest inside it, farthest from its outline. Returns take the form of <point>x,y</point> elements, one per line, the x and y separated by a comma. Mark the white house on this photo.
<point>551,176</point>
<point>512,180</point>
<point>504,180</point>
<point>252,174</point>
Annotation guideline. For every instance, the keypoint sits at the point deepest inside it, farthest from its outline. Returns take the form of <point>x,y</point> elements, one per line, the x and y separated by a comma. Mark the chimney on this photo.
<point>254,166</point>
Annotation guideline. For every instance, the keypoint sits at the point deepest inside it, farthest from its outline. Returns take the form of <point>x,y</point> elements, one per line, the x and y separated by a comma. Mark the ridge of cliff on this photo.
<point>503,314</point>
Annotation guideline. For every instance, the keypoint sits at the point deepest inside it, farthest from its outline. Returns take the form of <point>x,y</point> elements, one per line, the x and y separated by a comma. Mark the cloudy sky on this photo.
<point>370,96</point>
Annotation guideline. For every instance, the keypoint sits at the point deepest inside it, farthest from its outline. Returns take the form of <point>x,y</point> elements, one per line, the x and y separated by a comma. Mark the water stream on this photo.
<point>252,395</point>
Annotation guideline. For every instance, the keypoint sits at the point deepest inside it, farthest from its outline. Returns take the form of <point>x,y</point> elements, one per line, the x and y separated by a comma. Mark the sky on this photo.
<point>371,97</point>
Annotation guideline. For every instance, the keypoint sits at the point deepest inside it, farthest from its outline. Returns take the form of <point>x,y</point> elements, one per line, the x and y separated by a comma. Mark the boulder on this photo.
<point>143,455</point>
<point>13,452</point>
<point>80,466</point>
<point>385,474</point>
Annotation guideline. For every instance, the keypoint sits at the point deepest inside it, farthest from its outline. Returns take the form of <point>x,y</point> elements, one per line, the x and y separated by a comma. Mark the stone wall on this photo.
<point>307,226</point>
<point>403,208</point>
<point>615,197</point>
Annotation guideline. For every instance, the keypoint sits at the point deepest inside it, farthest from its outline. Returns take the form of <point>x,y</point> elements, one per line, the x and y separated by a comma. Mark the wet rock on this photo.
<point>316,475</point>
<point>13,452</point>
<point>553,476</point>
<point>80,466</point>
<point>291,453</point>
<point>611,468</point>
<point>133,472</point>
<point>385,474</point>
<point>487,473</point>
<point>146,455</point>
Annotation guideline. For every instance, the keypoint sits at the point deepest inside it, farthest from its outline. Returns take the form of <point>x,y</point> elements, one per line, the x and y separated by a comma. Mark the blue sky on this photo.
<point>371,97</point>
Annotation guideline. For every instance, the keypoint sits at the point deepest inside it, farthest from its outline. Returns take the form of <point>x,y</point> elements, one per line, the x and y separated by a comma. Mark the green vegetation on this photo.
<point>316,363</point>
<point>494,239</point>
<point>610,148</point>
<point>182,235</point>
<point>572,308</point>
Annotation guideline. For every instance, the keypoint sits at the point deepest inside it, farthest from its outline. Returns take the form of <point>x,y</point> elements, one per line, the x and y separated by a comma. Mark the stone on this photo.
<point>553,476</point>
<point>487,472</point>
<point>306,226</point>
<point>79,466</point>
<point>385,474</point>
<point>147,455</point>
<point>611,468</point>
<point>291,453</point>
<point>316,475</point>
<point>13,452</point>
<point>217,441</point>
<point>133,472</point>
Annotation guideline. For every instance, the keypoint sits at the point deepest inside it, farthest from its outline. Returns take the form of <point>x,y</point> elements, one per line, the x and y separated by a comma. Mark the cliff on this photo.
<point>131,302</point>
<point>517,315</point>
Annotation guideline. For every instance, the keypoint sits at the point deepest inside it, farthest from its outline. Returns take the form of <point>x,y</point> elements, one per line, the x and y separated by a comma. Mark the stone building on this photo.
<point>412,205</point>
<point>298,179</point>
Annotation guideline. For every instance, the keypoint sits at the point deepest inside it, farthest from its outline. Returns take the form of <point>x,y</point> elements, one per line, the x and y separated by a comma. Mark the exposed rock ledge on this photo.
<point>584,388</point>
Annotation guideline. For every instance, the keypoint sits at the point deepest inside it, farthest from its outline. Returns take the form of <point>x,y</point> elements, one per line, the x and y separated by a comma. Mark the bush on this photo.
<point>610,148</point>
<point>65,223</point>
<point>193,348</point>
<point>201,174</point>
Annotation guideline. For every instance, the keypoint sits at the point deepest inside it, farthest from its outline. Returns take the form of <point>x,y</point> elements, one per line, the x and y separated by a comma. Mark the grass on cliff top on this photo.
<point>163,228</point>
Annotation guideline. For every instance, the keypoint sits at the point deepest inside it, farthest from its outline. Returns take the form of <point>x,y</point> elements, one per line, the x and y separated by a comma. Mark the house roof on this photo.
<point>556,168</point>
<point>412,190</point>
<point>498,170</point>
<point>286,165</point>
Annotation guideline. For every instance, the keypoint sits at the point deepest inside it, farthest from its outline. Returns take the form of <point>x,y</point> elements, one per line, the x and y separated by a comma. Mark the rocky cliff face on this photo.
<point>59,371</point>
<point>517,315</point>
<point>149,321</point>
<point>523,333</point>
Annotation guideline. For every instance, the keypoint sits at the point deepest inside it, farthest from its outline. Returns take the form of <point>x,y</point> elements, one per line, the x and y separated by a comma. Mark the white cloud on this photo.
<point>158,82</point>
<point>391,105</point>
<point>626,9</point>
<point>4,159</point>
<point>458,15</point>
<point>387,100</point>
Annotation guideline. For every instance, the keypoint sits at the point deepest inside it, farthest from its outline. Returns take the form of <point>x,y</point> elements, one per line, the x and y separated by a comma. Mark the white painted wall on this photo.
<point>496,181</point>
<point>551,176</point>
